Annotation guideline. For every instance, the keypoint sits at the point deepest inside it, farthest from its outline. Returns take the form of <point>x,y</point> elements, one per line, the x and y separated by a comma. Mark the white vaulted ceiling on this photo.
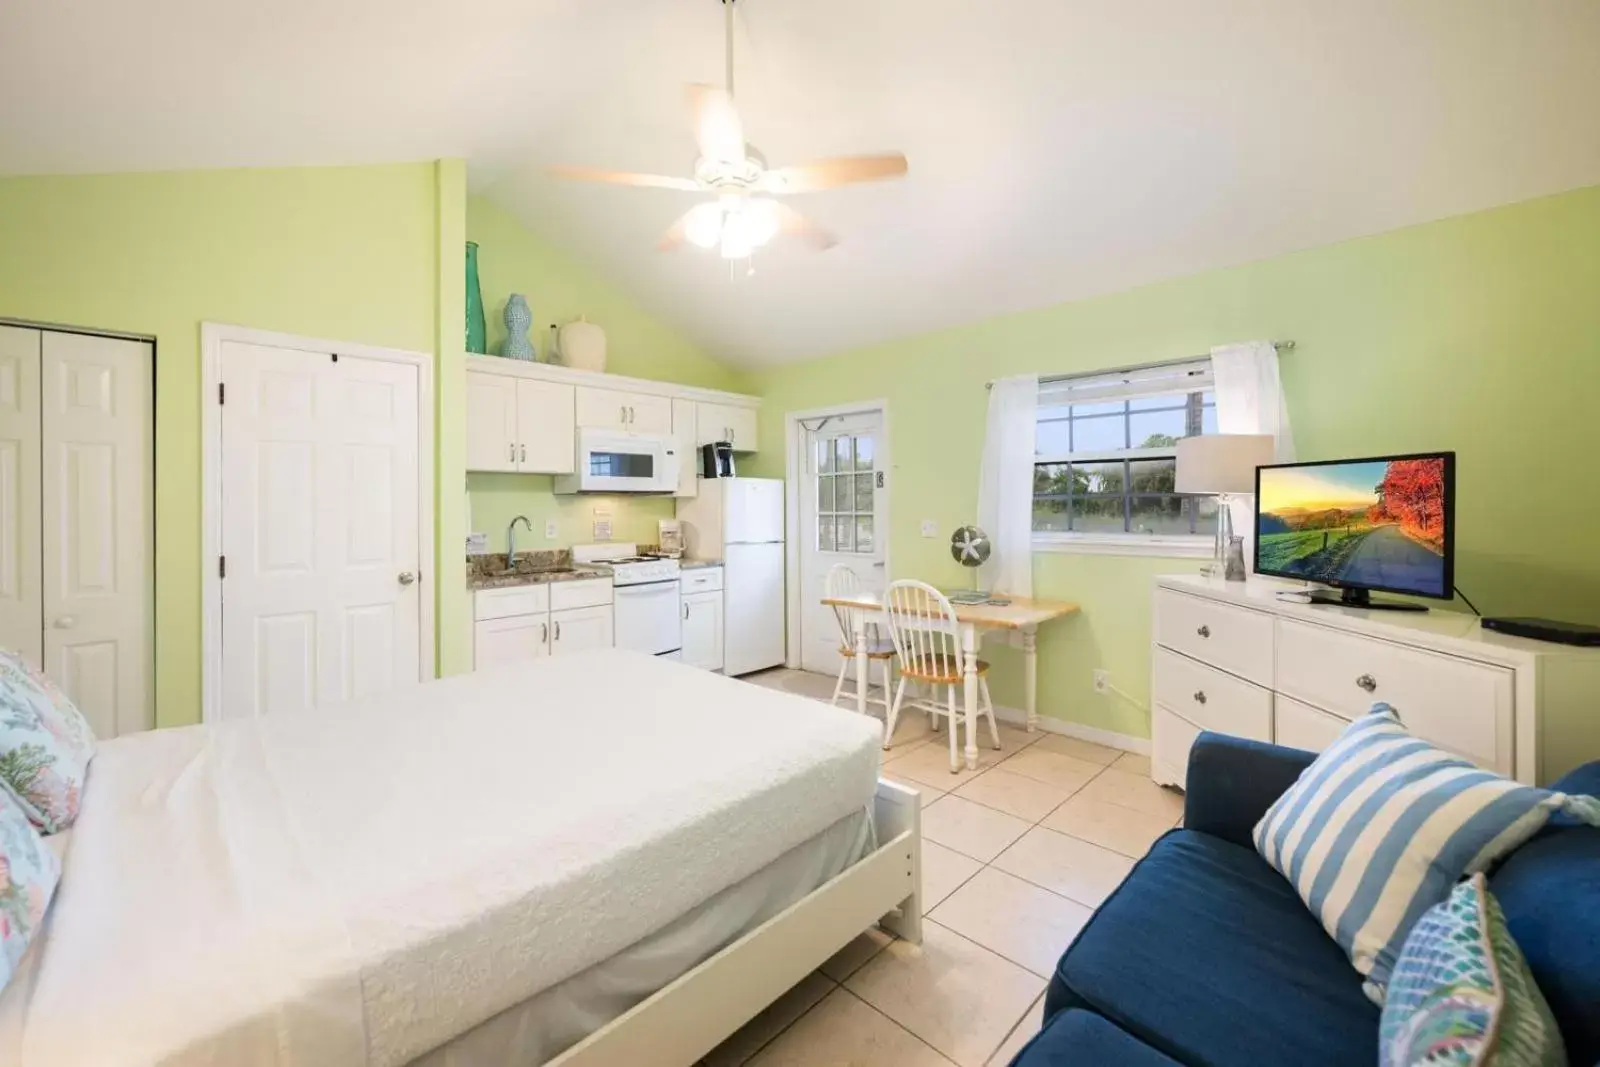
<point>1058,148</point>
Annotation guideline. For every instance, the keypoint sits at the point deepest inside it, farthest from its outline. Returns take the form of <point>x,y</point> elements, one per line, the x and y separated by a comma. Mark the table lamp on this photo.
<point>1223,465</point>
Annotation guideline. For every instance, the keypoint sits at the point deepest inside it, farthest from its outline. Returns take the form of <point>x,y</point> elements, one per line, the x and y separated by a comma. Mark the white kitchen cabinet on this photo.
<point>526,622</point>
<point>545,427</point>
<point>726,422</point>
<point>501,642</point>
<point>683,422</point>
<point>578,629</point>
<point>614,409</point>
<point>491,422</point>
<point>702,630</point>
<point>519,424</point>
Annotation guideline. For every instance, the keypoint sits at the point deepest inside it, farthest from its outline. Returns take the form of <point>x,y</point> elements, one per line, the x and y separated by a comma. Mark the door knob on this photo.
<point>66,622</point>
<point>1200,696</point>
<point>1204,631</point>
<point>406,577</point>
<point>1367,682</point>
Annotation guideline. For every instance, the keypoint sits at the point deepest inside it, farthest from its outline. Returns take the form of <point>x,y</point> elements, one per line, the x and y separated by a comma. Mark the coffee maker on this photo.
<point>716,459</point>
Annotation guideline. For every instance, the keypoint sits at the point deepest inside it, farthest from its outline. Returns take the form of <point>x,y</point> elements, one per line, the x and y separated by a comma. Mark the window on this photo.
<point>1105,467</point>
<point>845,494</point>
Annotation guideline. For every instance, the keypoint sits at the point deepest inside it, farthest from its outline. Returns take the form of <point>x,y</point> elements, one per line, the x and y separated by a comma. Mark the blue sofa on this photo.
<point>1205,956</point>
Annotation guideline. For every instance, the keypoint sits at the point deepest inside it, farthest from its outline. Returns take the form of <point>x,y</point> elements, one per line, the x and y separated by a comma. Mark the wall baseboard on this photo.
<point>1108,738</point>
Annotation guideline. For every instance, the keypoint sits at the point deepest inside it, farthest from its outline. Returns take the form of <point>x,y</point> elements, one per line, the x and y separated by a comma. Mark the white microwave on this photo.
<point>611,461</point>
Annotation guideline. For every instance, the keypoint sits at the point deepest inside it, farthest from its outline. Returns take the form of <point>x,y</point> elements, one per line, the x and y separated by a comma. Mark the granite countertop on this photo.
<point>697,564</point>
<point>536,567</point>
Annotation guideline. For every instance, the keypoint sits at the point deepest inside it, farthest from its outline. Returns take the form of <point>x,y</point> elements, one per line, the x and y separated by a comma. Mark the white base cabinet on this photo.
<point>702,617</point>
<point>1233,658</point>
<point>528,622</point>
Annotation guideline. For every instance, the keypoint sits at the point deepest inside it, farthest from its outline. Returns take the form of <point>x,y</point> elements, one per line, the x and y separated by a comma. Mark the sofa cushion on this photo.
<point>1548,889</point>
<point>1079,1038</point>
<point>1208,955</point>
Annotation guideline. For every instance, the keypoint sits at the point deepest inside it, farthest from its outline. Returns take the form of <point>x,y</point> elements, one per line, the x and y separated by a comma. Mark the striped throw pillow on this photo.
<point>1383,825</point>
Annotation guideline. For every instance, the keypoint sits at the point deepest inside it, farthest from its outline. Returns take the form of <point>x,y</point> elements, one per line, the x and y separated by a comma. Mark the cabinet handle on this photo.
<point>622,413</point>
<point>686,611</point>
<point>524,450</point>
<point>511,452</point>
<point>633,415</point>
<point>1204,631</point>
<point>1367,682</point>
<point>558,631</point>
<point>1199,696</point>
<point>545,639</point>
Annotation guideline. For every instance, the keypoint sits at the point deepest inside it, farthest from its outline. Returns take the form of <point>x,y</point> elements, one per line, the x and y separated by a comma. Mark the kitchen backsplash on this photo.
<point>496,499</point>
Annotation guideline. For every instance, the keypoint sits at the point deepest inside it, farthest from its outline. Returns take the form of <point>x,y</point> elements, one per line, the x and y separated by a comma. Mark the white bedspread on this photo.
<point>363,884</point>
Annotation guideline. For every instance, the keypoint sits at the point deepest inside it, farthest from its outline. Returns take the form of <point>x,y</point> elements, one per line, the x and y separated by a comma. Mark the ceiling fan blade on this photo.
<point>717,129</point>
<point>828,173</point>
<point>619,177</point>
<point>793,224</point>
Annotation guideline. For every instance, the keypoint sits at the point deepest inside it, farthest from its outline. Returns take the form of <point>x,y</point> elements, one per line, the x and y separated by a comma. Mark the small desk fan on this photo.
<point>970,547</point>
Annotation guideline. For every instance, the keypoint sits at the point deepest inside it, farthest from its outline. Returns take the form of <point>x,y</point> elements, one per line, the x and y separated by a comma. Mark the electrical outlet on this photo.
<point>1102,681</point>
<point>549,529</point>
<point>930,528</point>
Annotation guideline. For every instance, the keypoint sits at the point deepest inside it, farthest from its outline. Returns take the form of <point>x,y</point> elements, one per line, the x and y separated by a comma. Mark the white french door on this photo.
<point>320,527</point>
<point>76,503</point>
<point>842,497</point>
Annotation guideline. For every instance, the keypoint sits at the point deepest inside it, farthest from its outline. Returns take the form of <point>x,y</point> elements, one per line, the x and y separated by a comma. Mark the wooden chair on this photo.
<point>922,627</point>
<point>842,581</point>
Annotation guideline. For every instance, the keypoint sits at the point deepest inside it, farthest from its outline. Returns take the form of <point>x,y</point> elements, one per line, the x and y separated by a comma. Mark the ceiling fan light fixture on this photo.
<point>702,227</point>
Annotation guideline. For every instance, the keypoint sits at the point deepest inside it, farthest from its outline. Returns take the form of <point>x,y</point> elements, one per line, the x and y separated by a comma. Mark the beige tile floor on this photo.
<point>1016,857</point>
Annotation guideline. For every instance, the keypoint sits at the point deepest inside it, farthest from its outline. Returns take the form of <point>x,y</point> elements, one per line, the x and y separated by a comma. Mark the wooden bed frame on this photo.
<point>702,1008</point>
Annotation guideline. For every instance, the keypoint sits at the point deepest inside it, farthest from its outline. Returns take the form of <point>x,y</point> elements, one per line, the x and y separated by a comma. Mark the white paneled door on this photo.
<point>97,492</point>
<point>21,566</point>
<point>842,498</point>
<point>320,512</point>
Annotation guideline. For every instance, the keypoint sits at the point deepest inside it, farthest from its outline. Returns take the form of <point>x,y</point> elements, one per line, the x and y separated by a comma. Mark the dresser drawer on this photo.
<point>1460,705</point>
<point>514,600</point>
<point>1212,699</point>
<point>1298,725</point>
<point>1171,738</point>
<point>581,594</point>
<point>701,580</point>
<point>1234,639</point>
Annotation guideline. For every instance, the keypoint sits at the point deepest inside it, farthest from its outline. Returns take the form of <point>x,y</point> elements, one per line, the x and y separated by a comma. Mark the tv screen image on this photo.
<point>1362,524</point>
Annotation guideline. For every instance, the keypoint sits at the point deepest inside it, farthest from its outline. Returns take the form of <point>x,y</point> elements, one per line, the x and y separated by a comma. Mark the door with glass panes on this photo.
<point>842,498</point>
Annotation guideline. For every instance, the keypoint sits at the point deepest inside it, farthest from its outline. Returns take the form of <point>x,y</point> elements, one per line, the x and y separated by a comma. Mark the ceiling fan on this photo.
<point>743,216</point>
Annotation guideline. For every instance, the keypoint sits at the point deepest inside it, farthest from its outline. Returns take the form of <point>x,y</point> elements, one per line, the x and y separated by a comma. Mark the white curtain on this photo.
<point>1250,400</point>
<point>1005,488</point>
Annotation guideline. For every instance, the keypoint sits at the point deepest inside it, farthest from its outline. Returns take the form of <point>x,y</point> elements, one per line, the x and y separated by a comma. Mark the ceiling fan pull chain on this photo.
<point>728,40</point>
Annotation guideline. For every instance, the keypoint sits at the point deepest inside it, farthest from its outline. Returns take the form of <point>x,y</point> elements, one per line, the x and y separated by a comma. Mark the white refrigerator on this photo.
<point>740,521</point>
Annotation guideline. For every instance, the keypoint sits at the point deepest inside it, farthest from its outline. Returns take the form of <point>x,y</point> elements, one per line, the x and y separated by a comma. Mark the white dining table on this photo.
<point>1021,614</point>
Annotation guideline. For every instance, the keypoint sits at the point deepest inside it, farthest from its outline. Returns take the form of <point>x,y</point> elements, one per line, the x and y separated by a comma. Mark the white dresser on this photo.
<point>1233,658</point>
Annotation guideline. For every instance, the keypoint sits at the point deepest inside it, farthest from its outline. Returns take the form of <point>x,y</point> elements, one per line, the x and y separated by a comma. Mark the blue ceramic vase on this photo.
<point>518,321</point>
<point>477,329</point>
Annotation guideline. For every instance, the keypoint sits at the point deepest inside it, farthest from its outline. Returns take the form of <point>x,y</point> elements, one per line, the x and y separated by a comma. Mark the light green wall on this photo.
<point>339,253</point>
<point>1479,334</point>
<point>512,260</point>
<point>453,620</point>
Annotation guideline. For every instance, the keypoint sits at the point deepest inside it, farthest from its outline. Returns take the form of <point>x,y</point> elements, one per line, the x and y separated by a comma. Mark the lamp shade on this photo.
<point>1222,463</point>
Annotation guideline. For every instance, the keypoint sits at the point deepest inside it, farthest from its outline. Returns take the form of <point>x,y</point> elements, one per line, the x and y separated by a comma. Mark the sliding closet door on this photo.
<point>21,599</point>
<point>98,482</point>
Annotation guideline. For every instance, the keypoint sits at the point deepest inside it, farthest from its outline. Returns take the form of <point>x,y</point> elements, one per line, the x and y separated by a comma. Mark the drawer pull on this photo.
<point>1367,682</point>
<point>1199,696</point>
<point>1204,631</point>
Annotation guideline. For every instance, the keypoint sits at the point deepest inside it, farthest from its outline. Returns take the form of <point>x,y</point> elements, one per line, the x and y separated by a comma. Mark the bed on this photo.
<point>596,859</point>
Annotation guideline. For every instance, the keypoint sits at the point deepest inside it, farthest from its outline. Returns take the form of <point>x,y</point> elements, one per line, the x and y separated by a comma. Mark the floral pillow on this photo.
<point>45,746</point>
<point>29,872</point>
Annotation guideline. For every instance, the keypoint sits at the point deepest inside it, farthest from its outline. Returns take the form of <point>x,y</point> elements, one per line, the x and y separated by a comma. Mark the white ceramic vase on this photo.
<point>583,345</point>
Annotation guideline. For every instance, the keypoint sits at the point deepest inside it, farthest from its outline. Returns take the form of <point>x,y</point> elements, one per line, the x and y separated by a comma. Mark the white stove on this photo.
<point>647,606</point>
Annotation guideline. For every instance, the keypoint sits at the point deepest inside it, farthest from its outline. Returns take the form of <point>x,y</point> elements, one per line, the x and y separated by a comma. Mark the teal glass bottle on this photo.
<point>477,331</point>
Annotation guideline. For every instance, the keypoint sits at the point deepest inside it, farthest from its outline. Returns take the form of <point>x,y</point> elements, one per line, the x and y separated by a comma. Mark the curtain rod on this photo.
<point>1046,379</point>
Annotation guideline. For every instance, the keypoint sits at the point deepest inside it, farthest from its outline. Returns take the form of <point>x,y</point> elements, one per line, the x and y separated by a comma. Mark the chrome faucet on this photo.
<point>511,539</point>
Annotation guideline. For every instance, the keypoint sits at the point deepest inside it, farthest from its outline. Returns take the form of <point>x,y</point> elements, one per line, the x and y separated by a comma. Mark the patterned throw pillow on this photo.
<point>1383,825</point>
<point>29,872</point>
<point>1462,996</point>
<point>45,746</point>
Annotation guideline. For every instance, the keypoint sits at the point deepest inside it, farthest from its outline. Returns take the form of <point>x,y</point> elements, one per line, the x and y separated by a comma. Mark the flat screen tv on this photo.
<point>1385,524</point>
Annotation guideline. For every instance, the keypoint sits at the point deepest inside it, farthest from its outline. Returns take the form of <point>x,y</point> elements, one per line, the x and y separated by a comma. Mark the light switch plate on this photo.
<point>930,528</point>
<point>549,529</point>
<point>477,544</point>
